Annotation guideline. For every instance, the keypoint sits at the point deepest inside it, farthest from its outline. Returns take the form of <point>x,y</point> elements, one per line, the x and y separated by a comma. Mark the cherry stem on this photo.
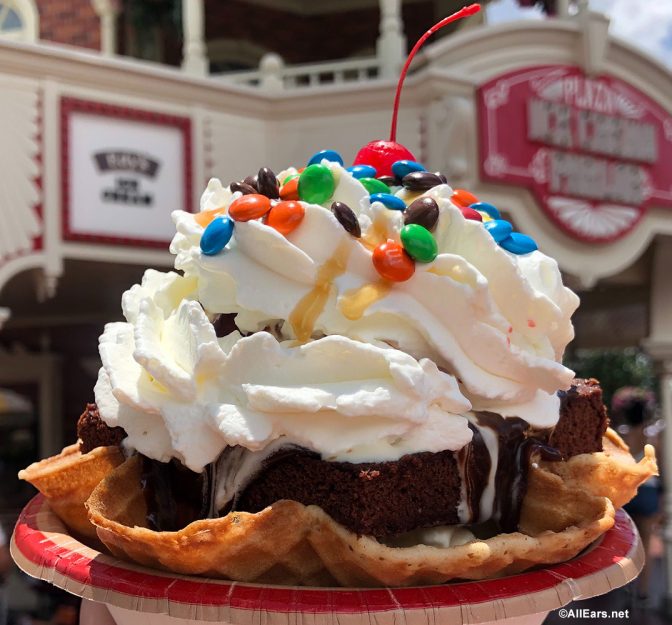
<point>464,12</point>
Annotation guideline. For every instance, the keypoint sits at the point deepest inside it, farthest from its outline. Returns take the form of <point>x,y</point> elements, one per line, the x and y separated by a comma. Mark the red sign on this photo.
<point>595,152</point>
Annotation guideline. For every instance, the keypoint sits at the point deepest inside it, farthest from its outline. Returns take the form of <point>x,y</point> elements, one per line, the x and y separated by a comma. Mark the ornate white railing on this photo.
<point>273,74</point>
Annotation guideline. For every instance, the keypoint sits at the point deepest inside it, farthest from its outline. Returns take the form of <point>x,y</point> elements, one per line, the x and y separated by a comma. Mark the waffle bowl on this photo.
<point>67,479</point>
<point>127,594</point>
<point>291,543</point>
<point>301,545</point>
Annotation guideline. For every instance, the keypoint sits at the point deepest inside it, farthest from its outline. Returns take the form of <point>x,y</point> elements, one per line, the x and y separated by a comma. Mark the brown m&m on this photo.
<point>347,218</point>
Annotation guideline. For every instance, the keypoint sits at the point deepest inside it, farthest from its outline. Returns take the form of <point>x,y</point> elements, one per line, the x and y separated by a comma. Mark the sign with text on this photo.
<point>595,152</point>
<point>125,171</point>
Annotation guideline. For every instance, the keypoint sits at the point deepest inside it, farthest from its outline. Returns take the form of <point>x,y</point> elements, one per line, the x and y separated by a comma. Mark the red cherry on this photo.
<point>381,155</point>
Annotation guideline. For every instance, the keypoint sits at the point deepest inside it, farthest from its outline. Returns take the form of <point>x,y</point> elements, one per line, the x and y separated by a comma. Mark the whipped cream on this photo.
<point>179,391</point>
<point>358,369</point>
<point>496,321</point>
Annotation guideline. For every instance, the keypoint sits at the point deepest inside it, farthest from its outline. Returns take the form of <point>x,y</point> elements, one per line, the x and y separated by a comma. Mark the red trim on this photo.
<point>40,549</point>
<point>70,105</point>
<point>541,198</point>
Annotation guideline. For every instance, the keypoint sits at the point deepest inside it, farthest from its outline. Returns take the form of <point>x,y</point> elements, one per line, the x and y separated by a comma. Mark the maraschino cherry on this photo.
<point>382,154</point>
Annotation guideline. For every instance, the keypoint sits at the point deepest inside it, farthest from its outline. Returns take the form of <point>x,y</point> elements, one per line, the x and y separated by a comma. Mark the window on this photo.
<point>18,20</point>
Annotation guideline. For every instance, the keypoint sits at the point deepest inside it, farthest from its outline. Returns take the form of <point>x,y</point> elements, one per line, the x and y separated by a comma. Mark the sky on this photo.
<point>643,23</point>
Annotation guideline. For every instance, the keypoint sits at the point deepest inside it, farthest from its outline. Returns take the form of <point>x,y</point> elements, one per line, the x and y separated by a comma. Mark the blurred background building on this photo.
<point>115,113</point>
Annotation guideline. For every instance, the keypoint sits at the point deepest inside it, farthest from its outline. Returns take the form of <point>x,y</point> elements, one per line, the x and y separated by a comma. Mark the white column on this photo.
<point>391,44</point>
<point>270,70</point>
<point>108,11</point>
<point>194,58</point>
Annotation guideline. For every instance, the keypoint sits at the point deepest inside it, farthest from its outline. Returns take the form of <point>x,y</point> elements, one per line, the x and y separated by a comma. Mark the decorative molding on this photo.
<point>30,18</point>
<point>310,7</point>
<point>20,194</point>
<point>241,51</point>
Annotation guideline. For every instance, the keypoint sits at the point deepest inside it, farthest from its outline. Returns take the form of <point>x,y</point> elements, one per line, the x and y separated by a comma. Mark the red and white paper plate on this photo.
<point>42,547</point>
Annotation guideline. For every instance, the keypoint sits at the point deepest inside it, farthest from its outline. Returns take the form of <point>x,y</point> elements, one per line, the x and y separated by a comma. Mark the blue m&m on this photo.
<point>330,155</point>
<point>518,243</point>
<point>499,229</point>
<point>390,201</point>
<point>362,171</point>
<point>402,168</point>
<point>217,235</point>
<point>488,209</point>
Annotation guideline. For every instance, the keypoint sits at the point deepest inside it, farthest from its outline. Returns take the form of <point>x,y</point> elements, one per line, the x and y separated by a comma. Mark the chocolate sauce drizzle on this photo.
<point>175,496</point>
<point>516,447</point>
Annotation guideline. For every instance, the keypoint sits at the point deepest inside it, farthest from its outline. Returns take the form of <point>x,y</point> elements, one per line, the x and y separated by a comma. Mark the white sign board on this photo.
<point>126,172</point>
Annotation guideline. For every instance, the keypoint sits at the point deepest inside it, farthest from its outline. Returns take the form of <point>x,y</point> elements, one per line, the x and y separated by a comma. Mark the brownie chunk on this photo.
<point>94,432</point>
<point>375,499</point>
<point>583,419</point>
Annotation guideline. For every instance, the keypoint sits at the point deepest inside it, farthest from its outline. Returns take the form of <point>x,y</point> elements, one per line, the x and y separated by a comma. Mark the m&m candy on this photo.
<point>470,213</point>
<point>518,243</point>
<point>423,211</point>
<point>205,217</point>
<point>463,198</point>
<point>347,218</point>
<point>316,184</point>
<point>392,262</point>
<point>250,206</point>
<point>390,201</point>
<point>487,208</point>
<point>285,216</point>
<point>404,167</point>
<point>328,155</point>
<point>290,189</point>
<point>373,185</point>
<point>267,183</point>
<point>216,235</point>
<point>362,171</point>
<point>499,229</point>
<point>419,243</point>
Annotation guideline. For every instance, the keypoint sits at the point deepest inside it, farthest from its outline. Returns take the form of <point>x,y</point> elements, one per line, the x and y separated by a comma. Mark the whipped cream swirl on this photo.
<point>357,369</point>
<point>496,321</point>
<point>179,391</point>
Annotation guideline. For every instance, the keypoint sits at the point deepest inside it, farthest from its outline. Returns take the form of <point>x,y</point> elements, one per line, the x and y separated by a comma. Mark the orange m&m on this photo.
<point>204,218</point>
<point>392,262</point>
<point>461,197</point>
<point>285,216</point>
<point>290,190</point>
<point>249,207</point>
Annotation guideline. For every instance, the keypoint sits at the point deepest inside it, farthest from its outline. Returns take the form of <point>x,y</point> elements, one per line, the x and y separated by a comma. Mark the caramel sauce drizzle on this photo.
<point>310,306</point>
<point>353,303</point>
<point>375,235</point>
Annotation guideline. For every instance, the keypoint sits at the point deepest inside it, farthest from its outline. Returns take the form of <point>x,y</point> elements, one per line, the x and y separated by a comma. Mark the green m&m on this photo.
<point>372,185</point>
<point>316,184</point>
<point>419,243</point>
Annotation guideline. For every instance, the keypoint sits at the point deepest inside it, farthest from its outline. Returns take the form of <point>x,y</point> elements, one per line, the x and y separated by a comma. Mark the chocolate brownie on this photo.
<point>373,498</point>
<point>389,498</point>
<point>94,432</point>
<point>583,419</point>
